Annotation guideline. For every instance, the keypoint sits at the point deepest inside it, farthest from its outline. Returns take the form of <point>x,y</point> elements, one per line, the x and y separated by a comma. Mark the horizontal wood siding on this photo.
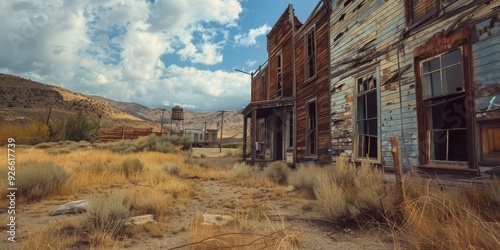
<point>279,40</point>
<point>317,87</point>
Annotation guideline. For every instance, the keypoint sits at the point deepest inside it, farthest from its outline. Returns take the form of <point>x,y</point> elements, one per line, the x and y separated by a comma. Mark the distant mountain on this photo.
<point>22,100</point>
<point>233,120</point>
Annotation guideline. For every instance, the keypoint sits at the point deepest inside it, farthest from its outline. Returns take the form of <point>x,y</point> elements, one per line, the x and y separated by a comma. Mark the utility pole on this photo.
<point>161,128</point>
<point>221,129</point>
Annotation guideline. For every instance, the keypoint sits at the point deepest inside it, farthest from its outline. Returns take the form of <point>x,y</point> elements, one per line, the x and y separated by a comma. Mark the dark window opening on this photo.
<point>279,69</point>
<point>290,129</point>
<point>444,100</point>
<point>312,128</point>
<point>311,55</point>
<point>367,117</point>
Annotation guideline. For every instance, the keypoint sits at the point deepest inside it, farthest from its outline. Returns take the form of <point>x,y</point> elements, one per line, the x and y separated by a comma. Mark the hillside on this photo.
<point>22,100</point>
<point>233,120</point>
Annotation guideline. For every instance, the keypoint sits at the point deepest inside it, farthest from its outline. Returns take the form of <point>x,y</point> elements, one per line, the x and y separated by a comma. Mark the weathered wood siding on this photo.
<point>366,33</point>
<point>316,87</point>
<point>279,41</point>
<point>364,36</point>
<point>260,86</point>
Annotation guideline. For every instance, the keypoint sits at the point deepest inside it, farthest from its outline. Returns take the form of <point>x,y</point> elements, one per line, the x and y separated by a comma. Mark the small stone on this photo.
<point>290,188</point>
<point>140,220</point>
<point>73,207</point>
<point>216,219</point>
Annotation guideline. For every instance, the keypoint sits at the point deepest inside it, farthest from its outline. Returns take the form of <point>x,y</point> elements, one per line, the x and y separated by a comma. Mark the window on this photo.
<point>367,116</point>
<point>264,87</point>
<point>311,54</point>
<point>279,72</point>
<point>312,128</point>
<point>444,104</point>
<point>290,129</point>
<point>419,9</point>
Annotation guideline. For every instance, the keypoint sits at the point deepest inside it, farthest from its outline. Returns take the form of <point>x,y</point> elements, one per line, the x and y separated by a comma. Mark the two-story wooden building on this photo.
<point>289,110</point>
<point>427,71</point>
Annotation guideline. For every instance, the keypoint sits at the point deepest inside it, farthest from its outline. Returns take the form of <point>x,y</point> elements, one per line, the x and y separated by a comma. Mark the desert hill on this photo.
<point>22,100</point>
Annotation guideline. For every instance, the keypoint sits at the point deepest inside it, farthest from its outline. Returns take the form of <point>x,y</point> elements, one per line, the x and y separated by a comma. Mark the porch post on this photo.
<point>253,135</point>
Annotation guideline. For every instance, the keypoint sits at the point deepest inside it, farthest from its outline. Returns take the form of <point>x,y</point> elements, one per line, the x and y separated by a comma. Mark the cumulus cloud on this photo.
<point>117,49</point>
<point>250,38</point>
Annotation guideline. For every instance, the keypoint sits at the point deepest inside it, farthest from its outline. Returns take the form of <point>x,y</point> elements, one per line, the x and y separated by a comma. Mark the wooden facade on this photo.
<point>425,71</point>
<point>284,123</point>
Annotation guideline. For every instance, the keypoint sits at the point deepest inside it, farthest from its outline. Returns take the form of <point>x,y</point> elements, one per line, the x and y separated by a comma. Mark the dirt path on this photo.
<point>223,198</point>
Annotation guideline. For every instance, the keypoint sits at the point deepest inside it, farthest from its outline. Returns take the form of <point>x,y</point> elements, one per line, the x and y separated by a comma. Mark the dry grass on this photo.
<point>249,230</point>
<point>434,217</point>
<point>57,235</point>
<point>35,180</point>
<point>106,216</point>
<point>349,192</point>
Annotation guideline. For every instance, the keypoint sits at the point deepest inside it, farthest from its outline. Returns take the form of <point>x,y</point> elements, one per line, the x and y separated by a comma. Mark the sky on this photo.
<point>153,52</point>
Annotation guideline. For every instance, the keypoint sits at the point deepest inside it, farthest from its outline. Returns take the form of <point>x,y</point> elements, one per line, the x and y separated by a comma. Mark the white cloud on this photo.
<point>250,38</point>
<point>115,48</point>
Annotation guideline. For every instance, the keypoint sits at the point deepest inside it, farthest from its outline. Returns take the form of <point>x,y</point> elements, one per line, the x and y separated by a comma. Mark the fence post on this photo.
<point>398,172</point>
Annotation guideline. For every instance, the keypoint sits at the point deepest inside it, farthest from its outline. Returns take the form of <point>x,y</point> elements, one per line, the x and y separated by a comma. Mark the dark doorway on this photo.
<point>278,139</point>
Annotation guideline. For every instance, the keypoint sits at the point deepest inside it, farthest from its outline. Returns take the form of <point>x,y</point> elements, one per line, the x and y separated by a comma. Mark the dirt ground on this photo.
<point>222,197</point>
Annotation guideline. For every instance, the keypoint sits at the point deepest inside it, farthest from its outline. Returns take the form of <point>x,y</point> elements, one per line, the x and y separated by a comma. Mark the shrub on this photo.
<point>155,202</point>
<point>304,177</point>
<point>361,191</point>
<point>32,133</point>
<point>36,180</point>
<point>277,171</point>
<point>242,170</point>
<point>78,127</point>
<point>106,216</point>
<point>131,167</point>
<point>170,168</point>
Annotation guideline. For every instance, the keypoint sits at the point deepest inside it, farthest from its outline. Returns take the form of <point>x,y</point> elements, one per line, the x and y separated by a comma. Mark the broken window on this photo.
<point>419,9</point>
<point>311,54</point>
<point>279,72</point>
<point>367,116</point>
<point>312,136</point>
<point>444,100</point>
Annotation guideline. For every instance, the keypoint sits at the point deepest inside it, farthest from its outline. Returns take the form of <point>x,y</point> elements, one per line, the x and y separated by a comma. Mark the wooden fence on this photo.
<point>114,134</point>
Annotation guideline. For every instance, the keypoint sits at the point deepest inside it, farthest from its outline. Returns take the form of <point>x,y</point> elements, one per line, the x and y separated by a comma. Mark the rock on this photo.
<point>290,188</point>
<point>216,219</point>
<point>140,220</point>
<point>73,207</point>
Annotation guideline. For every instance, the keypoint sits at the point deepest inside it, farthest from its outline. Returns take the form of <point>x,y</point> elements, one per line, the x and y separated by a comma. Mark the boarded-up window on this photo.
<point>367,116</point>
<point>444,99</point>
<point>312,128</point>
<point>490,133</point>
<point>279,76</point>
<point>311,54</point>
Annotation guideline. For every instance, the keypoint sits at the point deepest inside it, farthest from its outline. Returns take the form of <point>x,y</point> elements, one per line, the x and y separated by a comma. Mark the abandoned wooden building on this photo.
<point>289,109</point>
<point>426,71</point>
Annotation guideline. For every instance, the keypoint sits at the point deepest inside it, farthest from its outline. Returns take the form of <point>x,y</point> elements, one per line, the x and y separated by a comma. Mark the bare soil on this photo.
<point>219,197</point>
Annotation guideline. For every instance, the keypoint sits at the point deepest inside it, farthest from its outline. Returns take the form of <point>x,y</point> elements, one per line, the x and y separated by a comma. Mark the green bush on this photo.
<point>79,128</point>
<point>131,167</point>
<point>35,180</point>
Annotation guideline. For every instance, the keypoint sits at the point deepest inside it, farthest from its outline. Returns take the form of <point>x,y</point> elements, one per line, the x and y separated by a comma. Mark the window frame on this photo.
<point>307,58</point>
<point>279,74</point>
<point>309,153</point>
<point>440,5</point>
<point>376,73</point>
